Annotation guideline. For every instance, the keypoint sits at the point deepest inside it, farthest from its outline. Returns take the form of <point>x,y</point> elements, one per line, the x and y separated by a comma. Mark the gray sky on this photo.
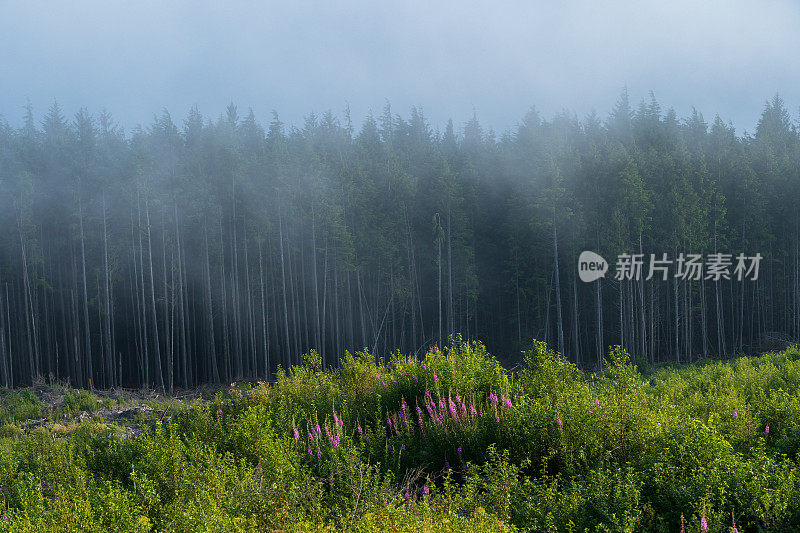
<point>136,58</point>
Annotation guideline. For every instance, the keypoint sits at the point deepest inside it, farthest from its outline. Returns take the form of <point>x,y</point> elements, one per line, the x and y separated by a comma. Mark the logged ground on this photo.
<point>447,442</point>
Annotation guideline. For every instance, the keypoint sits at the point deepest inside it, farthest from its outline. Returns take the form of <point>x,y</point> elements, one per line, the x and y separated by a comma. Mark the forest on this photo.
<point>214,250</point>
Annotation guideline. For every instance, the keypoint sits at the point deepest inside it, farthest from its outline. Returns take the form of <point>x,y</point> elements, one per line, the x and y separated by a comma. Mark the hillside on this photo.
<point>447,442</point>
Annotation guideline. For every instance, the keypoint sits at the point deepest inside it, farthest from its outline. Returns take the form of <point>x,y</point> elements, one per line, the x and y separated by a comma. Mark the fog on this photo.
<point>452,59</point>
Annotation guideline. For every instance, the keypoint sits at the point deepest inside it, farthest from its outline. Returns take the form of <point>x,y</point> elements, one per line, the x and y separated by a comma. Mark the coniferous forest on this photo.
<point>202,249</point>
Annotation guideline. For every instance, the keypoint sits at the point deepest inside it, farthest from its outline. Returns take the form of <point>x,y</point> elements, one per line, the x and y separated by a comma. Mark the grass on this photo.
<point>446,442</point>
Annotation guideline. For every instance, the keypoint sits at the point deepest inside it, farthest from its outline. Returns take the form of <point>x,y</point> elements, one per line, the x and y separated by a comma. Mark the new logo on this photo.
<point>591,266</point>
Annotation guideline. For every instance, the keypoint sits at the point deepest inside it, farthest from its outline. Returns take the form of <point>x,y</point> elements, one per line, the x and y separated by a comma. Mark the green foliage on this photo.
<point>20,405</point>
<point>75,402</point>
<point>447,442</point>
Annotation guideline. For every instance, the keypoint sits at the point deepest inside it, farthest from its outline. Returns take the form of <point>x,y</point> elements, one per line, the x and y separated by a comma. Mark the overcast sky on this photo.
<point>498,59</point>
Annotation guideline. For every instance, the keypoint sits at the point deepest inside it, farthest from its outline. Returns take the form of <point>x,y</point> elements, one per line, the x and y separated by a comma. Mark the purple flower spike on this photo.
<point>426,490</point>
<point>296,434</point>
<point>435,377</point>
<point>766,430</point>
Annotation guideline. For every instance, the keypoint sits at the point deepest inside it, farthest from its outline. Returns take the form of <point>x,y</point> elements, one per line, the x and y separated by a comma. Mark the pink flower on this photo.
<point>560,424</point>
<point>415,377</point>
<point>360,431</point>
<point>735,413</point>
<point>472,410</point>
<point>435,377</point>
<point>426,490</point>
<point>493,398</point>
<point>703,524</point>
<point>596,401</point>
<point>296,434</point>
<point>766,430</point>
<point>219,411</point>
